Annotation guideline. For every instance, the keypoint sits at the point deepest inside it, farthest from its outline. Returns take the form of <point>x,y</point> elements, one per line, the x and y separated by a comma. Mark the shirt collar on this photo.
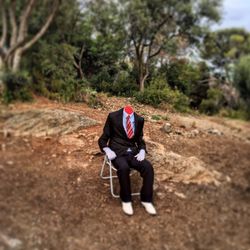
<point>125,114</point>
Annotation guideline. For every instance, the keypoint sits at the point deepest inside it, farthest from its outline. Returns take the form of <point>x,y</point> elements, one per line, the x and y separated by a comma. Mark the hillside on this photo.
<point>51,195</point>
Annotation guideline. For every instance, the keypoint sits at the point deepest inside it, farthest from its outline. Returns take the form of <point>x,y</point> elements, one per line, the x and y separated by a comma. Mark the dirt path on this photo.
<point>51,196</point>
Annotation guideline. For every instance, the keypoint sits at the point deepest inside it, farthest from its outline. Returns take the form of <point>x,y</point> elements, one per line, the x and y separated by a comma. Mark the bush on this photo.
<point>242,79</point>
<point>181,75</point>
<point>213,103</point>
<point>54,74</point>
<point>122,84</point>
<point>158,92</point>
<point>92,98</point>
<point>241,113</point>
<point>17,87</point>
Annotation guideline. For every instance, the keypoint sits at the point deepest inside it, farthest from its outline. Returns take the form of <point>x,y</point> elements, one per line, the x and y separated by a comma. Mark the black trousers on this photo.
<point>123,165</point>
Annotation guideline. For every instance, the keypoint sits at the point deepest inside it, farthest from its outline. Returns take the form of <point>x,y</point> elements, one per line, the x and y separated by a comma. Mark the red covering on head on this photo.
<point>128,109</point>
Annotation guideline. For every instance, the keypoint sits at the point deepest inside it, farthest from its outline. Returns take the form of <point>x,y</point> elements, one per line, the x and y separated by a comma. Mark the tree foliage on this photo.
<point>242,78</point>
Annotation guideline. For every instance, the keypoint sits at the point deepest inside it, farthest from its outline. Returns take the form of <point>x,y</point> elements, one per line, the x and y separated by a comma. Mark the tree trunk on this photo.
<point>143,75</point>
<point>1,74</point>
<point>16,60</point>
<point>142,80</point>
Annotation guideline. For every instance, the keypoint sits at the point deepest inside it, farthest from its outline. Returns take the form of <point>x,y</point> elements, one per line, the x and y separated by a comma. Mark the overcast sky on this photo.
<point>236,13</point>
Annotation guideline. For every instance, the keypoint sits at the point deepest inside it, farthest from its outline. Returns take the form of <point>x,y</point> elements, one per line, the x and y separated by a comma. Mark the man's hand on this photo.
<point>110,153</point>
<point>141,155</point>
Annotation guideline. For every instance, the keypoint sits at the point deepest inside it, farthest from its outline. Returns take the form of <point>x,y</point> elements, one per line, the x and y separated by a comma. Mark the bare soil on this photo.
<point>51,195</point>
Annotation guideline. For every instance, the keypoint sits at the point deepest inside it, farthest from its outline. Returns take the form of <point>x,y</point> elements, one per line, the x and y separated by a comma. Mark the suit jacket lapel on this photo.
<point>120,122</point>
<point>136,123</point>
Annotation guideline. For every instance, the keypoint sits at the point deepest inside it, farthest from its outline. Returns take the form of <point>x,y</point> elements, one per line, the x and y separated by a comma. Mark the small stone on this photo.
<point>167,128</point>
<point>178,132</point>
<point>3,147</point>
<point>181,195</point>
<point>85,165</point>
<point>54,155</point>
<point>160,195</point>
<point>195,132</point>
<point>6,133</point>
<point>11,243</point>
<point>215,132</point>
<point>10,163</point>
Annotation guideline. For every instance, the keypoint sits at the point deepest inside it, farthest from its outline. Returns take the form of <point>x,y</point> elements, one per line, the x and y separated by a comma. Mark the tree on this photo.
<point>153,25</point>
<point>242,78</point>
<point>225,47</point>
<point>103,44</point>
<point>15,41</point>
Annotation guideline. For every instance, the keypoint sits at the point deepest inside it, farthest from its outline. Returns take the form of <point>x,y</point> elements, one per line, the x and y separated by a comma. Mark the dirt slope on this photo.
<point>51,196</point>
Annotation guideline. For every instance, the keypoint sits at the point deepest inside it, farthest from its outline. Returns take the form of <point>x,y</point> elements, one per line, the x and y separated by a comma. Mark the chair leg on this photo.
<point>111,182</point>
<point>102,169</point>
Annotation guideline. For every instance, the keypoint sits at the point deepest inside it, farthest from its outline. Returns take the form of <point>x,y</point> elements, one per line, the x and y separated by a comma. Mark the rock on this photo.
<point>3,147</point>
<point>177,168</point>
<point>167,128</point>
<point>10,243</point>
<point>215,131</point>
<point>94,152</point>
<point>181,195</point>
<point>85,165</point>
<point>71,140</point>
<point>6,133</point>
<point>194,132</point>
<point>178,132</point>
<point>186,123</point>
<point>10,163</point>
<point>46,122</point>
<point>160,195</point>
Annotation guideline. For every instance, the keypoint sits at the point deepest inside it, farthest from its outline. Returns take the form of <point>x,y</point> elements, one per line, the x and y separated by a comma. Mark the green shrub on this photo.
<point>241,113</point>
<point>181,75</point>
<point>54,74</point>
<point>17,87</point>
<point>120,85</point>
<point>156,117</point>
<point>92,98</point>
<point>158,92</point>
<point>213,103</point>
<point>242,80</point>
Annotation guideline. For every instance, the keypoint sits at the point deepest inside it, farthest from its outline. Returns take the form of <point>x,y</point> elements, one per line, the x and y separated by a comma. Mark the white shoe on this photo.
<point>149,207</point>
<point>127,208</point>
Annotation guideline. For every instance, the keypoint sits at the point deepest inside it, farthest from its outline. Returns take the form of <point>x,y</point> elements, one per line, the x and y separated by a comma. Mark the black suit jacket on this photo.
<point>115,137</point>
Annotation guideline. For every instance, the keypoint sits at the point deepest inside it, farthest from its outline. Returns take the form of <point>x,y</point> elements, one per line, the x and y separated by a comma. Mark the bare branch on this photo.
<point>4,25</point>
<point>23,20</point>
<point>156,52</point>
<point>13,23</point>
<point>44,27</point>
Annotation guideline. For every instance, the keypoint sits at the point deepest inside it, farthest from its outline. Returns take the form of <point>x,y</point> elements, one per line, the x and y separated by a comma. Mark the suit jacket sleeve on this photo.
<point>140,142</point>
<point>104,138</point>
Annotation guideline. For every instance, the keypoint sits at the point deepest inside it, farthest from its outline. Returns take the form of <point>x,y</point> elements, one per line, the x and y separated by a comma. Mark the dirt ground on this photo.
<point>51,195</point>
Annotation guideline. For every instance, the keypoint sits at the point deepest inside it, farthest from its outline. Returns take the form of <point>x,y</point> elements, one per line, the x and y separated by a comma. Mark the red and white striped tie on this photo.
<point>129,128</point>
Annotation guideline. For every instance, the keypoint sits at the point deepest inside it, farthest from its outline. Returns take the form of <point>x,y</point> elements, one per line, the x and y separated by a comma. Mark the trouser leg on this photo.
<point>147,173</point>
<point>123,171</point>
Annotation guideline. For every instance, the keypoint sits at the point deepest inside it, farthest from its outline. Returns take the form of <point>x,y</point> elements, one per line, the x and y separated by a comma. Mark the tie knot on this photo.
<point>128,117</point>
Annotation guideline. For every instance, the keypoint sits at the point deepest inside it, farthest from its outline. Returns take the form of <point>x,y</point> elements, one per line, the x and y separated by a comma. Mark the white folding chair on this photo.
<point>110,177</point>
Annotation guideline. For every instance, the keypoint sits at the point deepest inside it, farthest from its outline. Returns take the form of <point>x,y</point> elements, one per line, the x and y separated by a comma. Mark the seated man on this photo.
<point>122,141</point>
